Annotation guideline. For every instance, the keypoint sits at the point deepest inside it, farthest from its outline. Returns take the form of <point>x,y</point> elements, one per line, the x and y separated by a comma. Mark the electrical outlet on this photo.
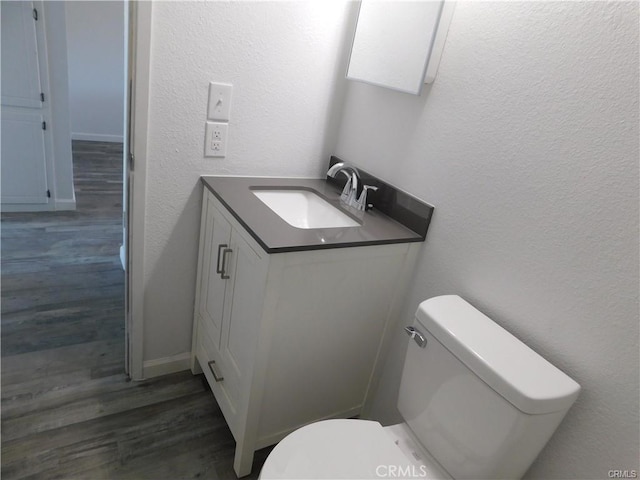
<point>219,101</point>
<point>215,139</point>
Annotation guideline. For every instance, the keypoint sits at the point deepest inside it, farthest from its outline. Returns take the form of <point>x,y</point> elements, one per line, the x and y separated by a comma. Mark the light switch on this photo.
<point>219,101</point>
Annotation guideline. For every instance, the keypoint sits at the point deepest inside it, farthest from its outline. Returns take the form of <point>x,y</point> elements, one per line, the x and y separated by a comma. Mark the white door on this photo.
<point>24,111</point>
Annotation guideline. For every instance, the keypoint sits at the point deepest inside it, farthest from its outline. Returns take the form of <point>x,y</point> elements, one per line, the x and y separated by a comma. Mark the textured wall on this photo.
<point>527,145</point>
<point>95,42</point>
<point>286,61</point>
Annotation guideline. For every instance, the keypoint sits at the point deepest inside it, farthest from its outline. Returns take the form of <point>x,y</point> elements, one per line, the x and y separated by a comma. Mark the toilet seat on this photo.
<point>341,449</point>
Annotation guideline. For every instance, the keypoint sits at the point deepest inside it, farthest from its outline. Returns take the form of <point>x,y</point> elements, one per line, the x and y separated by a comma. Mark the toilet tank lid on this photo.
<point>511,368</point>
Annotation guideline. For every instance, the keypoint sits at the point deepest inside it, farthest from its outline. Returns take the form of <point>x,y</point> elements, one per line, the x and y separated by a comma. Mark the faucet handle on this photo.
<point>347,194</point>
<point>361,204</point>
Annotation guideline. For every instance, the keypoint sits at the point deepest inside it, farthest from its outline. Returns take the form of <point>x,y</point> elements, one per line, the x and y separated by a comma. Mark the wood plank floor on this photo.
<point>68,409</point>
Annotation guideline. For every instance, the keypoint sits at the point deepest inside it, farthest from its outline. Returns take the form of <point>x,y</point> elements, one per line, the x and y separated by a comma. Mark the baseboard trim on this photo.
<point>53,205</point>
<point>166,365</point>
<point>96,137</point>
<point>65,204</point>
<point>26,207</point>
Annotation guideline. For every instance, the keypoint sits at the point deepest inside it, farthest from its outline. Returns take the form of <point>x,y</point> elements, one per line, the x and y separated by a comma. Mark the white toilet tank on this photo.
<point>479,400</point>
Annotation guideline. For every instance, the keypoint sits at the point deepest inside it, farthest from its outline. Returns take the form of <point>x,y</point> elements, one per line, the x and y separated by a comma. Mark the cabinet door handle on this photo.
<point>223,273</point>
<point>215,375</point>
<point>218,268</point>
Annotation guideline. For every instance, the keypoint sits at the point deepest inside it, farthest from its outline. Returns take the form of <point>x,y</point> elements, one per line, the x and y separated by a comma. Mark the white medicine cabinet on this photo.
<point>398,44</point>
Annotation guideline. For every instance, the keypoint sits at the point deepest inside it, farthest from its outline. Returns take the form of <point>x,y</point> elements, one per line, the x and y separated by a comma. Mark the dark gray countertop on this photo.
<point>276,236</point>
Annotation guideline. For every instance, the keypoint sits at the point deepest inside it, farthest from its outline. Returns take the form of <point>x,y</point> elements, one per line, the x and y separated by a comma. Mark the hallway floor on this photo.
<point>68,410</point>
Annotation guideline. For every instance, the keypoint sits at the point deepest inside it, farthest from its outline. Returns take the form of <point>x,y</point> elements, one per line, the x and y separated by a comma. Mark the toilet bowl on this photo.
<point>477,403</point>
<point>350,449</point>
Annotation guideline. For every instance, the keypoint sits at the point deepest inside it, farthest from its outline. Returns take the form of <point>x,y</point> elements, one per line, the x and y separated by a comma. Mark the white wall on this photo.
<point>63,194</point>
<point>286,62</point>
<point>95,40</point>
<point>527,145</point>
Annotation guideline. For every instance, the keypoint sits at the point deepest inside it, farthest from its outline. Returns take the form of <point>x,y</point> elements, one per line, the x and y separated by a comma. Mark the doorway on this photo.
<point>63,277</point>
<point>137,37</point>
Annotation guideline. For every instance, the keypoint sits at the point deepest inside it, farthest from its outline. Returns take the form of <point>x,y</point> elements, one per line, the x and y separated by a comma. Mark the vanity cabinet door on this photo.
<point>242,314</point>
<point>213,285</point>
<point>232,286</point>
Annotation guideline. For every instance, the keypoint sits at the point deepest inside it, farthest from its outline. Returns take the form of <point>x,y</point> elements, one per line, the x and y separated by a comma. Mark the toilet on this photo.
<point>476,403</point>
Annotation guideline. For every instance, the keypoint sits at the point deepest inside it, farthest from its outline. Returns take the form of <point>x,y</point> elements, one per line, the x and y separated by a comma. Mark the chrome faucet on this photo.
<point>361,203</point>
<point>350,191</point>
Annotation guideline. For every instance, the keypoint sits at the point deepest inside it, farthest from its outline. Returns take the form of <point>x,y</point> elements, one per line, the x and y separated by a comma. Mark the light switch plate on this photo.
<point>215,139</point>
<point>219,101</point>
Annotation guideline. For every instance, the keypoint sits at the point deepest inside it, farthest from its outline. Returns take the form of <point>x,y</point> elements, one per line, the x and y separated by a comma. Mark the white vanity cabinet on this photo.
<point>286,339</point>
<point>231,279</point>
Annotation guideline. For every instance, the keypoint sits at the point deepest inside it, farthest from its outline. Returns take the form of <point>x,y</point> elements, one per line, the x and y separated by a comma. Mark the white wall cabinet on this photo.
<point>36,167</point>
<point>290,338</point>
<point>24,112</point>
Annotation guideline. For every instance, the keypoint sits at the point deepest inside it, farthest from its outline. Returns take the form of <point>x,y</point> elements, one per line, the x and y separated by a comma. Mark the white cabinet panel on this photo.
<point>217,238</point>
<point>209,362</point>
<point>20,72</point>
<point>243,308</point>
<point>24,178</point>
<point>231,284</point>
<point>335,338</point>
<point>25,147</point>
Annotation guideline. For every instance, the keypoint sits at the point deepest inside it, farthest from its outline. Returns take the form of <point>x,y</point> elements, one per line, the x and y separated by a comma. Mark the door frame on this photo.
<point>138,60</point>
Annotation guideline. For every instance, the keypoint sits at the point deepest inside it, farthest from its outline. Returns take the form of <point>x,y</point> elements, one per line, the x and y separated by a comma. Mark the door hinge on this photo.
<point>35,14</point>
<point>132,161</point>
<point>44,125</point>
<point>42,96</point>
<point>48,193</point>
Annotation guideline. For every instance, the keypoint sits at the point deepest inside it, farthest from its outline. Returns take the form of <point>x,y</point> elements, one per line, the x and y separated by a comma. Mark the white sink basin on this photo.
<point>304,209</point>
